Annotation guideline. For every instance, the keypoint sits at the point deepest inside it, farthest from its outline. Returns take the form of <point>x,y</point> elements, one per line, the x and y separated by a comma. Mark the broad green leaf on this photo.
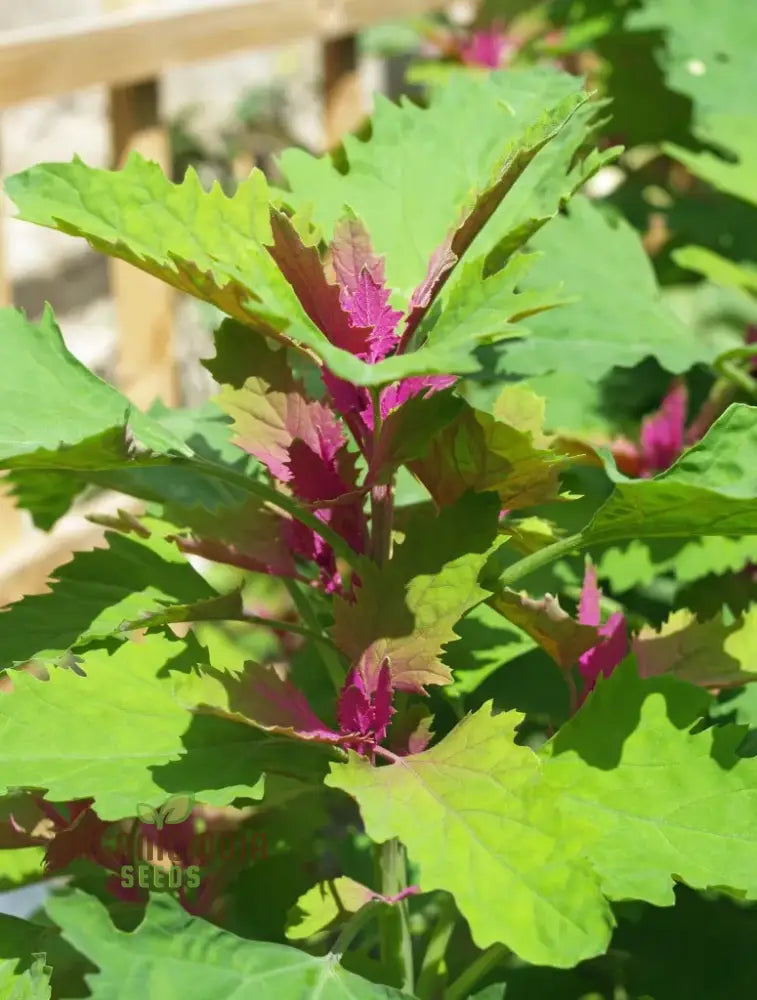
<point>471,816</point>
<point>184,958</point>
<point>710,653</point>
<point>95,594</point>
<point>503,451</point>
<point>405,610</point>
<point>710,490</point>
<point>324,904</point>
<point>56,413</point>
<point>121,735</point>
<point>33,984</point>
<point>738,134</point>
<point>479,311</point>
<point>694,822</point>
<point>709,58</point>
<point>641,562</point>
<point>487,642</point>
<point>620,317</point>
<point>222,249</point>
<point>20,865</point>
<point>91,439</point>
<point>718,269</point>
<point>413,182</point>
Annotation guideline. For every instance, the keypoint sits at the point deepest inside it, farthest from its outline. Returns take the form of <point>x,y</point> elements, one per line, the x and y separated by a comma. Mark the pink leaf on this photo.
<point>352,254</point>
<point>488,49</point>
<point>364,295</point>
<point>606,655</point>
<point>393,396</point>
<point>662,434</point>
<point>588,610</point>
<point>302,268</point>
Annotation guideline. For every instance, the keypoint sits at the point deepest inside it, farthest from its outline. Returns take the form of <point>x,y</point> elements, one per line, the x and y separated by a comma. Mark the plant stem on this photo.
<point>382,514</point>
<point>394,922</point>
<point>739,377</point>
<point>382,501</point>
<point>542,557</point>
<point>432,971</point>
<point>326,650</point>
<point>463,985</point>
<point>353,927</point>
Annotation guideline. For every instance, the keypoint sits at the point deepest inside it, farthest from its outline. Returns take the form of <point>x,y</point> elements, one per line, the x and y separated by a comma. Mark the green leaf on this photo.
<point>92,440</point>
<point>122,736</point>
<point>709,58</point>
<point>737,134</point>
<point>405,610</point>
<point>470,814</point>
<point>95,594</point>
<point>641,562</point>
<point>694,821</point>
<point>324,904</point>
<point>182,956</point>
<point>620,317</point>
<point>710,653</point>
<point>481,311</point>
<point>33,984</point>
<point>487,642</point>
<point>56,413</point>
<point>710,490</point>
<point>222,249</point>
<point>503,451</point>
<point>20,865</point>
<point>718,269</point>
<point>413,182</point>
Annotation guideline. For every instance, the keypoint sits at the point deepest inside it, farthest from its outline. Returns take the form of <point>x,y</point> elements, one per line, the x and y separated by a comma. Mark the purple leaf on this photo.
<point>352,254</point>
<point>606,655</point>
<point>365,710</point>
<point>393,396</point>
<point>488,49</point>
<point>303,269</point>
<point>662,434</point>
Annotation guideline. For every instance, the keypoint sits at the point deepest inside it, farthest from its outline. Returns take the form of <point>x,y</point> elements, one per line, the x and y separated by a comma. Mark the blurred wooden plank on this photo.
<point>343,97</point>
<point>11,520</point>
<point>145,365</point>
<point>128,46</point>
<point>26,568</point>
<point>6,293</point>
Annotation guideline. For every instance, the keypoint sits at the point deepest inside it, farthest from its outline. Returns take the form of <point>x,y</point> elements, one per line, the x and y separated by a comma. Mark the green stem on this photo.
<point>396,945</point>
<point>353,927</point>
<point>382,514</point>
<point>739,377</point>
<point>433,970</point>
<point>542,557</point>
<point>462,986</point>
<point>382,503</point>
<point>326,650</point>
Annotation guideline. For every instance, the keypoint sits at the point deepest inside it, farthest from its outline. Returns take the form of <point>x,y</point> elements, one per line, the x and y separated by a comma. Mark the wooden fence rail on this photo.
<point>128,51</point>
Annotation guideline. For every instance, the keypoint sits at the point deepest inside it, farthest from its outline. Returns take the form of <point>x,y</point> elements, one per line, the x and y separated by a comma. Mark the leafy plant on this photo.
<point>370,607</point>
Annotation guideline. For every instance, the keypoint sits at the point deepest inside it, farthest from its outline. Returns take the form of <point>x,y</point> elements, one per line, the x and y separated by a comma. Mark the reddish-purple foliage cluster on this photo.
<point>607,654</point>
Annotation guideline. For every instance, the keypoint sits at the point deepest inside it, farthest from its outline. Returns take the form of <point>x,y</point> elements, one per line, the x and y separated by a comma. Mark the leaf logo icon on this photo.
<point>174,810</point>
